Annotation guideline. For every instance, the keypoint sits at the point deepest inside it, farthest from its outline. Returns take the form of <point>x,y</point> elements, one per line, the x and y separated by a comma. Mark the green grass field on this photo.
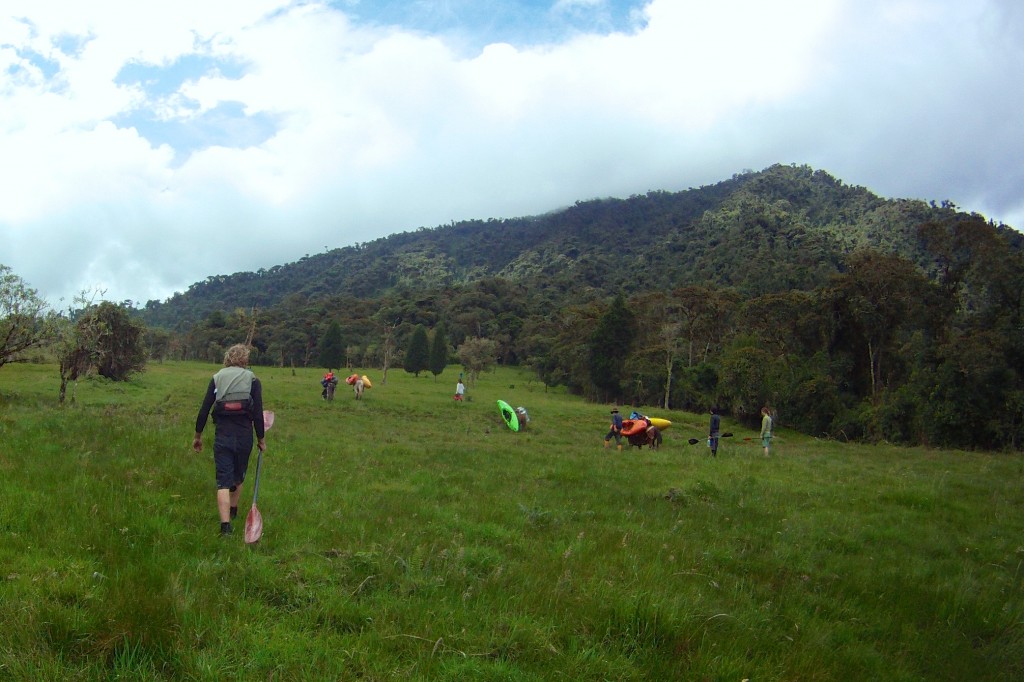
<point>407,536</point>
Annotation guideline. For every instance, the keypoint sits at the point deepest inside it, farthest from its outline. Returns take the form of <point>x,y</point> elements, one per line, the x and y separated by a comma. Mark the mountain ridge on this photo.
<point>783,228</point>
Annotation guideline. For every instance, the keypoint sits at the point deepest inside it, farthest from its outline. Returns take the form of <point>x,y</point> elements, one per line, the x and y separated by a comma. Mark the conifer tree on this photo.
<point>332,350</point>
<point>609,347</point>
<point>438,351</point>
<point>417,356</point>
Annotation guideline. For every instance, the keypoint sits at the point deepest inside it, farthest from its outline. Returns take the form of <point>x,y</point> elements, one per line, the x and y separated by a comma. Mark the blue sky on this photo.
<point>473,24</point>
<point>150,145</point>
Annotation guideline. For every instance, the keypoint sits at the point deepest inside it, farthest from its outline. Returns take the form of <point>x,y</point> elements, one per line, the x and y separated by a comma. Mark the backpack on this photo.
<point>233,391</point>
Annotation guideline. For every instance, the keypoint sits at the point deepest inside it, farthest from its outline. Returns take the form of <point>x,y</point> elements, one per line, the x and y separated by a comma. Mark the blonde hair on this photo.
<point>237,356</point>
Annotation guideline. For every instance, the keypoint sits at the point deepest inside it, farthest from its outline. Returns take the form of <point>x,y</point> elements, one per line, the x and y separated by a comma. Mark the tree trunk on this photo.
<point>871,364</point>
<point>669,361</point>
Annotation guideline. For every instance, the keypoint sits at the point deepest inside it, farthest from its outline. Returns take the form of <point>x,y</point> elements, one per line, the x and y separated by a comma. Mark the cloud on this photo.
<point>151,145</point>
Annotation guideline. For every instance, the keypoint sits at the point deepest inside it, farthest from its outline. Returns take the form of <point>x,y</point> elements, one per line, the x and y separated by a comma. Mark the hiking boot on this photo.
<point>225,528</point>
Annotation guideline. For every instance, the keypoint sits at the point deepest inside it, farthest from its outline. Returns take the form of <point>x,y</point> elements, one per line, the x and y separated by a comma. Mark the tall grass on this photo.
<point>410,536</point>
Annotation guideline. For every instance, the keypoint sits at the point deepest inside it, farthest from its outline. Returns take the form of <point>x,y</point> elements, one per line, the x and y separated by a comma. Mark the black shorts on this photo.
<point>231,452</point>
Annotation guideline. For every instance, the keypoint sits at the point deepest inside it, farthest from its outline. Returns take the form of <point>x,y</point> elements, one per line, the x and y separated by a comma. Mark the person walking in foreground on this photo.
<point>236,397</point>
<point>715,431</point>
<point>460,390</point>
<point>615,430</point>
<point>766,430</point>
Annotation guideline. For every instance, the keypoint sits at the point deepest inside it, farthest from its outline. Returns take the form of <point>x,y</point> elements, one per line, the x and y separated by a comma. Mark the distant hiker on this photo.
<point>614,430</point>
<point>523,417</point>
<point>714,432</point>
<point>460,390</point>
<point>766,429</point>
<point>329,382</point>
<point>236,397</point>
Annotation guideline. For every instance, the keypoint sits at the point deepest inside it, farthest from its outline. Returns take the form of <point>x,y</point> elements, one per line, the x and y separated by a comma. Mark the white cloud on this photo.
<point>374,130</point>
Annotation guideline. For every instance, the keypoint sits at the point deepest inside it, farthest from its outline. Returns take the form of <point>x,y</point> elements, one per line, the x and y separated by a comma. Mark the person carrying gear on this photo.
<point>235,397</point>
<point>329,382</point>
<point>615,429</point>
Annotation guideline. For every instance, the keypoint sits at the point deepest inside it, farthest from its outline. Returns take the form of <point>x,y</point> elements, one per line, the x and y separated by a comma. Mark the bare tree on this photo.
<point>477,356</point>
<point>387,349</point>
<point>72,343</point>
<point>23,320</point>
<point>99,337</point>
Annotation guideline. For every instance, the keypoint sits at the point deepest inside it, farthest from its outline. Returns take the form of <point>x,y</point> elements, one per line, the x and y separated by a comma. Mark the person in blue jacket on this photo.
<point>614,430</point>
<point>715,432</point>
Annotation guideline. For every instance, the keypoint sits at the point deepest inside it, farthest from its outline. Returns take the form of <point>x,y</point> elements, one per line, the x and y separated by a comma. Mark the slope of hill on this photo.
<point>783,228</point>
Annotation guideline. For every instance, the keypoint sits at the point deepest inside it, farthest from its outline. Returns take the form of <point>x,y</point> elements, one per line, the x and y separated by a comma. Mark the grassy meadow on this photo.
<point>407,536</point>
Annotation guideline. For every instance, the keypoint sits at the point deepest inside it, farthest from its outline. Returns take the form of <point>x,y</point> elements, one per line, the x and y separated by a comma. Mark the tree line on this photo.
<point>851,316</point>
<point>882,351</point>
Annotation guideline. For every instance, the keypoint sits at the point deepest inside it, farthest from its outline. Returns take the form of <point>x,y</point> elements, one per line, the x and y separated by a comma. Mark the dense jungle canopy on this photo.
<point>851,315</point>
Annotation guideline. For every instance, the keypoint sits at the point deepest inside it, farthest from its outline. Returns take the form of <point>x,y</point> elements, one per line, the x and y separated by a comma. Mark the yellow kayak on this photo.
<point>662,424</point>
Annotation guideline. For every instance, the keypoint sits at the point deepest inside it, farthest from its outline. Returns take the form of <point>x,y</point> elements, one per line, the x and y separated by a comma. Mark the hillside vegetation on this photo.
<point>784,228</point>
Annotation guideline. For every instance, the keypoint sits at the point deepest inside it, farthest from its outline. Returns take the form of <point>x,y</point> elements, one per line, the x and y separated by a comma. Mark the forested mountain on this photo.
<point>849,315</point>
<point>784,228</point>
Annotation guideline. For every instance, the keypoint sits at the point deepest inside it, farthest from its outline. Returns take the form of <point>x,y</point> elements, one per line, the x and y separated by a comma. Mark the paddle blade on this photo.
<point>693,441</point>
<point>253,526</point>
<point>268,419</point>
